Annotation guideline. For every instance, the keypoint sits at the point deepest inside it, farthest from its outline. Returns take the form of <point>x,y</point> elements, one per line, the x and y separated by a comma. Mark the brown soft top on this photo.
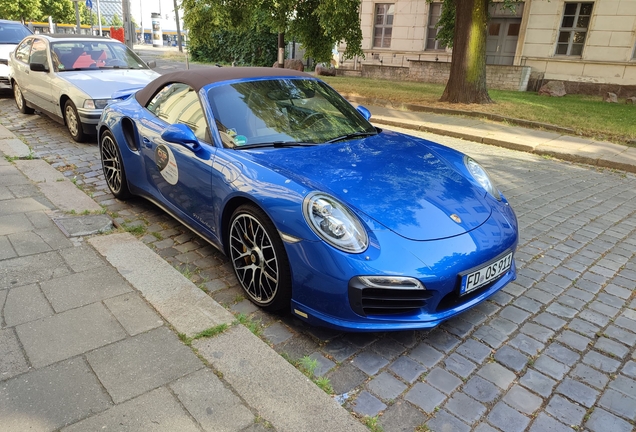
<point>198,78</point>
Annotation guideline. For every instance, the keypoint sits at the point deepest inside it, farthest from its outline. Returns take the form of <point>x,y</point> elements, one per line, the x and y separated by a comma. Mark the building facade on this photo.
<point>590,45</point>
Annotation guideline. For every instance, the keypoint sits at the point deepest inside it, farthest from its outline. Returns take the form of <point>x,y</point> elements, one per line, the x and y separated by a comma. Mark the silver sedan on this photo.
<point>72,79</point>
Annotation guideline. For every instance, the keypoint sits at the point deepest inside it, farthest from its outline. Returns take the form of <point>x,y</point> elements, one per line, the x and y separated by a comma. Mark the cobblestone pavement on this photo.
<point>553,351</point>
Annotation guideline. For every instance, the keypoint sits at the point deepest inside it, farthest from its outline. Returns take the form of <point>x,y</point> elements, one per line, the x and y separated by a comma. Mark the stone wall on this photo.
<point>497,77</point>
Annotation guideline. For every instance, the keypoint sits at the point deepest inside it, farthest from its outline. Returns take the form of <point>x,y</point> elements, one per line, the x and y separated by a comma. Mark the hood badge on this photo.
<point>456,218</point>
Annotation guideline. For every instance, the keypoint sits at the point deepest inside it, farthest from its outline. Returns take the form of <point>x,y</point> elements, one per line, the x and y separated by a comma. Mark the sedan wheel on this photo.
<point>19,100</point>
<point>71,118</point>
<point>259,258</point>
<point>113,167</point>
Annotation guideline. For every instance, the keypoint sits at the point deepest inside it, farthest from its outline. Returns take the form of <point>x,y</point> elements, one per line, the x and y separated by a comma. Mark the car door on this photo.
<point>20,66</point>
<point>40,83</point>
<point>179,174</point>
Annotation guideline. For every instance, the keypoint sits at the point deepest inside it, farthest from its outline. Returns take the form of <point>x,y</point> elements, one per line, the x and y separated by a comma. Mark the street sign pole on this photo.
<point>89,5</point>
<point>77,18</point>
<point>99,18</point>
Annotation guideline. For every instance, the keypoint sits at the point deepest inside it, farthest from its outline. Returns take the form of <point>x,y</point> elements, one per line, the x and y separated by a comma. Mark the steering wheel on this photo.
<point>311,119</point>
<point>115,62</point>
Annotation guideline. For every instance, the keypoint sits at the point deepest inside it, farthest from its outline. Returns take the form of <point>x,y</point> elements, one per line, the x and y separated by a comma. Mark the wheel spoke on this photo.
<point>253,258</point>
<point>110,163</point>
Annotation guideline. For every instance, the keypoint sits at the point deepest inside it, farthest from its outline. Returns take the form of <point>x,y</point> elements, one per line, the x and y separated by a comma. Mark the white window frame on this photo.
<point>387,23</point>
<point>572,31</point>
<point>431,31</point>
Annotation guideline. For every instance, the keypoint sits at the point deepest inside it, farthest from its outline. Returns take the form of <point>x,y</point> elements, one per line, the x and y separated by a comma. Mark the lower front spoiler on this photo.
<point>421,321</point>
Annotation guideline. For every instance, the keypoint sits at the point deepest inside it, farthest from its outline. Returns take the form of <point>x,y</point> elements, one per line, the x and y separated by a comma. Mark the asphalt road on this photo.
<point>552,351</point>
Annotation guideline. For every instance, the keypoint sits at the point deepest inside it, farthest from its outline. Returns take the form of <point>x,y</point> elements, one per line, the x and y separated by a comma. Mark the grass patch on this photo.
<point>372,424</point>
<point>586,115</point>
<point>253,325</point>
<point>208,333</point>
<point>308,366</point>
<point>136,230</point>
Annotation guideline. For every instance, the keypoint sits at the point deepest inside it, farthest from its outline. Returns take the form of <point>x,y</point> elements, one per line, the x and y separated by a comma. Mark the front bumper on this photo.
<point>89,119</point>
<point>322,276</point>
<point>4,75</point>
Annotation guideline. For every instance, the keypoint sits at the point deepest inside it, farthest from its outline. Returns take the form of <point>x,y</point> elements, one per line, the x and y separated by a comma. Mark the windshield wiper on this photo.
<point>277,144</point>
<point>352,135</point>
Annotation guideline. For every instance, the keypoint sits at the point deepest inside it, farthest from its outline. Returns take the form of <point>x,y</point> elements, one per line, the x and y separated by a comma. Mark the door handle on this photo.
<point>146,142</point>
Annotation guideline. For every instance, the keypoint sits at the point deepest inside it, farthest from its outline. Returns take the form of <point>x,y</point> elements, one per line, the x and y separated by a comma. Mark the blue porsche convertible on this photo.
<point>344,224</point>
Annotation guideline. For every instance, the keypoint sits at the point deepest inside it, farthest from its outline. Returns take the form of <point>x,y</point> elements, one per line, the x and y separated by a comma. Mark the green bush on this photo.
<point>244,48</point>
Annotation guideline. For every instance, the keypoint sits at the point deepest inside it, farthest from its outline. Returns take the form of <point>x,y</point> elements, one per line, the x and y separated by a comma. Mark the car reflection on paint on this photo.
<point>319,212</point>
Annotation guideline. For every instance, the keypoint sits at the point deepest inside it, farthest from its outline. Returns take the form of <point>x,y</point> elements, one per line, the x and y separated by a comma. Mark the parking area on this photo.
<point>552,351</point>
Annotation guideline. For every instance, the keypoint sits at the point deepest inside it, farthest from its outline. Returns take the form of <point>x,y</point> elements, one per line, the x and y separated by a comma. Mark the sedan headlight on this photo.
<point>96,103</point>
<point>481,176</point>
<point>335,223</point>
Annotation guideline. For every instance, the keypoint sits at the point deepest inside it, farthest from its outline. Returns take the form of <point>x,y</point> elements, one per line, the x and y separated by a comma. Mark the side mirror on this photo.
<point>181,134</point>
<point>38,67</point>
<point>365,112</point>
<point>152,64</point>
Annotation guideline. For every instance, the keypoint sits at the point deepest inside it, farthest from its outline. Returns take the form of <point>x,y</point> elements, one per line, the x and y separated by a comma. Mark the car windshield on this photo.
<point>283,111</point>
<point>76,55</point>
<point>12,33</point>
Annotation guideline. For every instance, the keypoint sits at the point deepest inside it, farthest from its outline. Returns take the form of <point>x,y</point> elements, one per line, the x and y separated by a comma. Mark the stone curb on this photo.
<point>57,188</point>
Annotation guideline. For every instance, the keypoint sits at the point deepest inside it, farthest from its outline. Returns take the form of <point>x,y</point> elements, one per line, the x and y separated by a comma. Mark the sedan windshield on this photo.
<point>77,55</point>
<point>282,112</point>
<point>13,33</point>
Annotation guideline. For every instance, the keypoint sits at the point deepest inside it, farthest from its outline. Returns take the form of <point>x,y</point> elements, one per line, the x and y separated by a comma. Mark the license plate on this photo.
<point>487,273</point>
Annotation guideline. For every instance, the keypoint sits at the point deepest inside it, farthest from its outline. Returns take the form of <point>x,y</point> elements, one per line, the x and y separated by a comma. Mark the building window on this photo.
<point>383,25</point>
<point>434,13</point>
<point>576,19</point>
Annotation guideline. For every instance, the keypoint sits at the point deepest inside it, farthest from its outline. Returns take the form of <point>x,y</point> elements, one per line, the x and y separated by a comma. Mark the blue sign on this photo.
<point>89,4</point>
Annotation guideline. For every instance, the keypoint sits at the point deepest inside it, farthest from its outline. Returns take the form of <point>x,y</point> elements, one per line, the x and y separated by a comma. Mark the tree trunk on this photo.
<point>281,50</point>
<point>176,19</point>
<point>467,81</point>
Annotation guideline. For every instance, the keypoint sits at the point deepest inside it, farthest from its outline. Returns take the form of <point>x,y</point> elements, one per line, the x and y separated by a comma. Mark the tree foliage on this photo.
<point>116,21</point>
<point>61,11</point>
<point>246,41</point>
<point>19,9</point>
<point>316,24</point>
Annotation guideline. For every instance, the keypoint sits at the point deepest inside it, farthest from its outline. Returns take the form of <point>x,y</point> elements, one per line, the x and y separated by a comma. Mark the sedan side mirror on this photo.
<point>365,112</point>
<point>181,134</point>
<point>152,64</point>
<point>38,67</point>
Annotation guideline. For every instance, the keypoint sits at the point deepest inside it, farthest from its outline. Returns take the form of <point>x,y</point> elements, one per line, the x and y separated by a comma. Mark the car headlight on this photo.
<point>96,103</point>
<point>481,176</point>
<point>335,223</point>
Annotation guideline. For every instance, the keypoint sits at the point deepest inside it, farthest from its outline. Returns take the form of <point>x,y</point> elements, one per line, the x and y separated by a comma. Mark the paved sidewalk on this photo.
<point>88,331</point>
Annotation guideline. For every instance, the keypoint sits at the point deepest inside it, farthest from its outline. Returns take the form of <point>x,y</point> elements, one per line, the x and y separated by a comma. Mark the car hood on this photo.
<point>395,179</point>
<point>101,84</point>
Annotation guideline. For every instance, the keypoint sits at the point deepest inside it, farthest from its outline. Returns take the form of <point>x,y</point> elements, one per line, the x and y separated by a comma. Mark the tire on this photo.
<point>19,100</point>
<point>113,166</point>
<point>259,259</point>
<point>72,121</point>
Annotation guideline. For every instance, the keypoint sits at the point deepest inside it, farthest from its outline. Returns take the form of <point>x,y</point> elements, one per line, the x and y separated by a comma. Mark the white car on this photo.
<point>11,33</point>
<point>72,78</point>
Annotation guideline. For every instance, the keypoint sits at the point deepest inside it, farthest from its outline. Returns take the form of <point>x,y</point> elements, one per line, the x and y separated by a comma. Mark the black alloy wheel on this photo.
<point>259,258</point>
<point>113,166</point>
